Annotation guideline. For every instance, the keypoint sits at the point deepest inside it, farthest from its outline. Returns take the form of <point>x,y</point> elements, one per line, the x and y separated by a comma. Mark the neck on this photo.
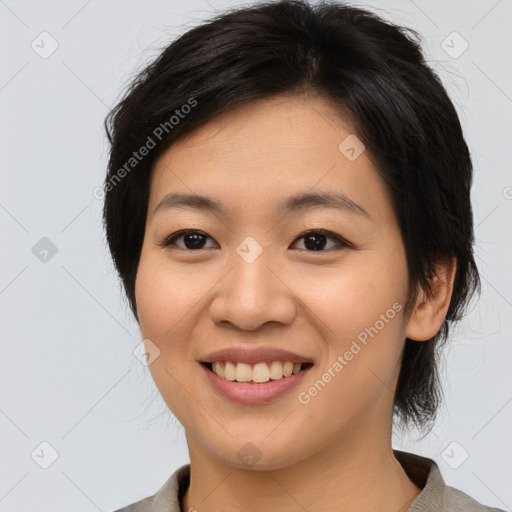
<point>355,475</point>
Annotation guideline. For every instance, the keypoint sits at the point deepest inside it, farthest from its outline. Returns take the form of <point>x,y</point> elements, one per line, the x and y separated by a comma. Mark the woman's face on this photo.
<point>246,277</point>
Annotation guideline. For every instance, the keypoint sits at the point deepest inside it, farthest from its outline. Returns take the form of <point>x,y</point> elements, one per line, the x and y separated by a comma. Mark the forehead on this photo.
<point>268,149</point>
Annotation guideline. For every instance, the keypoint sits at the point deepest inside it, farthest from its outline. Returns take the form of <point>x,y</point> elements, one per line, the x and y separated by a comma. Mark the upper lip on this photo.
<point>254,355</point>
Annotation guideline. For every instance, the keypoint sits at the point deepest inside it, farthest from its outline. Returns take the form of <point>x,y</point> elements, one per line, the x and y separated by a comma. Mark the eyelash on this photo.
<point>169,241</point>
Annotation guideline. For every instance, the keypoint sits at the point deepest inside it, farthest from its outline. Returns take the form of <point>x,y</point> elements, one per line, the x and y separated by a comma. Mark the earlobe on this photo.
<point>430,310</point>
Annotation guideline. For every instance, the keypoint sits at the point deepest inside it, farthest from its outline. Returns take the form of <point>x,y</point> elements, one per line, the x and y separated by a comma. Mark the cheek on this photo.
<point>361,327</point>
<point>360,305</point>
<point>352,296</point>
<point>164,294</point>
<point>165,303</point>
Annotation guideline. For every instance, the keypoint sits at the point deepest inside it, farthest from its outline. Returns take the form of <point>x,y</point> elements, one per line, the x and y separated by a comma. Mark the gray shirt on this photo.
<point>435,496</point>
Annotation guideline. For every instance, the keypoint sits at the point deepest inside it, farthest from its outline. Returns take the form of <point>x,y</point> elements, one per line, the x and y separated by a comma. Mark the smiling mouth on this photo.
<point>259,373</point>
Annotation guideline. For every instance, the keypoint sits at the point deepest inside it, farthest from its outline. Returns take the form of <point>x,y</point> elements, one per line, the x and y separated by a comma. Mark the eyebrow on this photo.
<point>301,201</point>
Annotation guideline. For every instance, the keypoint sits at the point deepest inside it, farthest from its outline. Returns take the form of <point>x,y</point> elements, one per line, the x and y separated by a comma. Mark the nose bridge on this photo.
<point>251,294</point>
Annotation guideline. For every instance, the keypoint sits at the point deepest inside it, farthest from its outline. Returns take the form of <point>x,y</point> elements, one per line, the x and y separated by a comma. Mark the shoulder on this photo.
<point>145,505</point>
<point>167,499</point>
<point>436,496</point>
<point>458,501</point>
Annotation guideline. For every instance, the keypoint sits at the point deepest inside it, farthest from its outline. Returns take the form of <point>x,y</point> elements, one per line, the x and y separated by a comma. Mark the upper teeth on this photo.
<point>260,372</point>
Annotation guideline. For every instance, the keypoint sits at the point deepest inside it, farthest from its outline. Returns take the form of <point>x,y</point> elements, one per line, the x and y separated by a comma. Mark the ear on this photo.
<point>430,311</point>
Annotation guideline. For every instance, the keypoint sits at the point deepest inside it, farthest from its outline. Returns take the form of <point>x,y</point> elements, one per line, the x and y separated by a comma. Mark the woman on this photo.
<point>288,206</point>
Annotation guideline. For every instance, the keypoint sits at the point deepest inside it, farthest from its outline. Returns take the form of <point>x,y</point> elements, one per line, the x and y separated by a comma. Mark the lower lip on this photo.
<point>245,393</point>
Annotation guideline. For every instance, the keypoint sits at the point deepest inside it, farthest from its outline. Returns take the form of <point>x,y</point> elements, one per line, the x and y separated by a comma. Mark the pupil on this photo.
<point>317,244</point>
<point>197,241</point>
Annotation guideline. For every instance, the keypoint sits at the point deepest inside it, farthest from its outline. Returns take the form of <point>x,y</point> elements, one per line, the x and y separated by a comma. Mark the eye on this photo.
<point>315,239</point>
<point>192,239</point>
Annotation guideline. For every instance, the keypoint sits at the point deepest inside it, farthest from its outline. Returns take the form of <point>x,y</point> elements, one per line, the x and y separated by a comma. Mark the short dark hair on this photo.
<point>374,73</point>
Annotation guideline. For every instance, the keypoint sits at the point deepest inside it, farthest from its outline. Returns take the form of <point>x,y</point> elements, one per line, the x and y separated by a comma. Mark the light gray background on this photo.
<point>68,373</point>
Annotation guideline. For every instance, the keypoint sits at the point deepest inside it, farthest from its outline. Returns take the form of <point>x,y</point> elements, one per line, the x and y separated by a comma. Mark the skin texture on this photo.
<point>333,453</point>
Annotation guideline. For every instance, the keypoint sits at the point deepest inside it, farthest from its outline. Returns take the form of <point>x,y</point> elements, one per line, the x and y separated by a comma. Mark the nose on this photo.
<point>253,294</point>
